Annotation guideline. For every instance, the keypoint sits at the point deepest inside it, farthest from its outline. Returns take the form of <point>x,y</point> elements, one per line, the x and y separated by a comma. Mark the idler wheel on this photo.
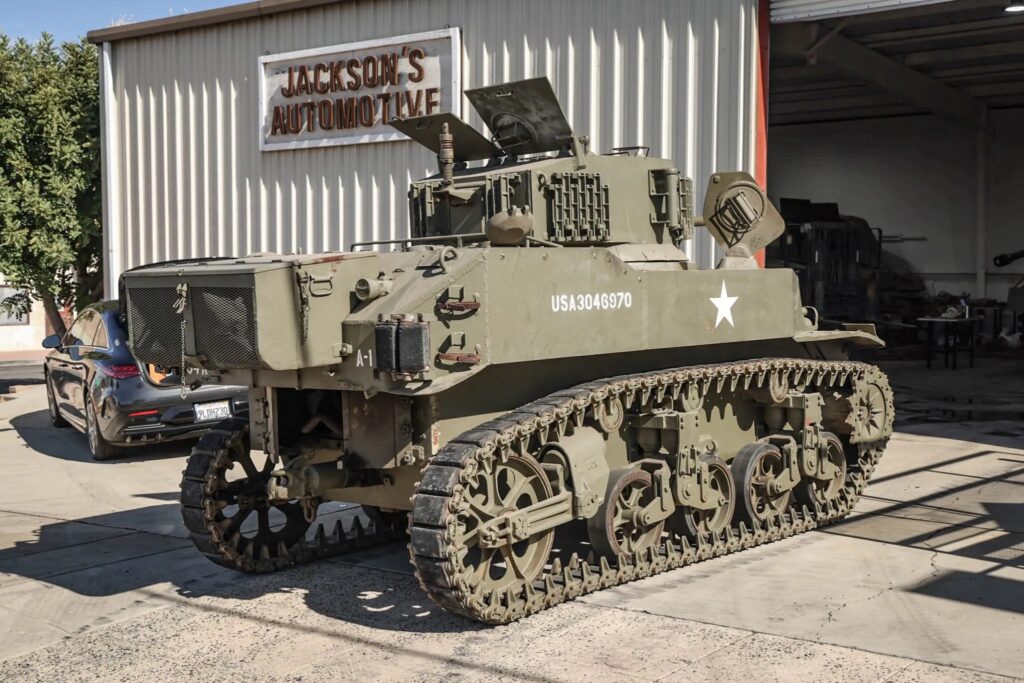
<point>499,488</point>
<point>756,467</point>
<point>695,522</point>
<point>820,491</point>
<point>230,505</point>
<point>616,529</point>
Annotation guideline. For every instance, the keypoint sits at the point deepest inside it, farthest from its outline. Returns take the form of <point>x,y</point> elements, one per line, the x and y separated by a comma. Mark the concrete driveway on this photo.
<point>98,581</point>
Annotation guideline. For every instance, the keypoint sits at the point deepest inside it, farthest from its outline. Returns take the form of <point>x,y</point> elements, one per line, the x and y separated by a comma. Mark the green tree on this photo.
<point>50,201</point>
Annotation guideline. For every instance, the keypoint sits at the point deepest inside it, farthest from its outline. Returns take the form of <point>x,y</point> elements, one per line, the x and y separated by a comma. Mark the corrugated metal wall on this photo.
<point>806,10</point>
<point>187,178</point>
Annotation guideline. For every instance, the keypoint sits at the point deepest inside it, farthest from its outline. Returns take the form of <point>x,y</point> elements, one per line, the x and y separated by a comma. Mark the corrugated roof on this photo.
<point>219,15</point>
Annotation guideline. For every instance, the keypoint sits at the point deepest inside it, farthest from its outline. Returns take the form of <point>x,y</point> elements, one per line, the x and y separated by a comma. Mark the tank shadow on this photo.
<point>138,550</point>
<point>69,444</point>
<point>360,594</point>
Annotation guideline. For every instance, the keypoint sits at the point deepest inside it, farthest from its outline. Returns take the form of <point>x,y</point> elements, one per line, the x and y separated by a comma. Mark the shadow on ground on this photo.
<point>19,376</point>
<point>112,554</point>
<point>69,444</point>
<point>995,433</point>
<point>7,384</point>
<point>108,554</point>
<point>978,518</point>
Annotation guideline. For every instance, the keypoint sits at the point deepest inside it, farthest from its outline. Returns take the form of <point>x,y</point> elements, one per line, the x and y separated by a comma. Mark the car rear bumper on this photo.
<point>168,419</point>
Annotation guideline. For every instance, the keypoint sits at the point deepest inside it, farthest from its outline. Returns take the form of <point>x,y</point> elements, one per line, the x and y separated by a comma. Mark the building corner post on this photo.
<point>113,233</point>
<point>761,123</point>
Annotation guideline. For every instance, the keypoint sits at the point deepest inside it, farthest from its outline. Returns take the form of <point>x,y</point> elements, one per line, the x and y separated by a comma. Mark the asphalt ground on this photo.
<point>925,582</point>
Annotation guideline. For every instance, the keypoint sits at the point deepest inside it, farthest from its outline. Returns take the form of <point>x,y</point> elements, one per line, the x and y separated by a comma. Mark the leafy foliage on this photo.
<point>50,200</point>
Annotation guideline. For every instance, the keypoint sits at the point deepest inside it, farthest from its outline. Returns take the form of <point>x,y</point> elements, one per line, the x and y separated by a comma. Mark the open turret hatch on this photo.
<point>426,130</point>
<point>524,117</point>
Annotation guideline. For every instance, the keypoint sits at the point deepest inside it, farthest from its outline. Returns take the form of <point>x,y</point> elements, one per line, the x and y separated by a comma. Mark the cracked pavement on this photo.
<point>925,582</point>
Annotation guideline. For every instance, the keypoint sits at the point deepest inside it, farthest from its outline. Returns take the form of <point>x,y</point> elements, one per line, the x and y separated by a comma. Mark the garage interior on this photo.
<point>894,153</point>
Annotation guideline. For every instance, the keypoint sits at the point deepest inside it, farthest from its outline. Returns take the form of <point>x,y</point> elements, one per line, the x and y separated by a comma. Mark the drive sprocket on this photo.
<point>222,488</point>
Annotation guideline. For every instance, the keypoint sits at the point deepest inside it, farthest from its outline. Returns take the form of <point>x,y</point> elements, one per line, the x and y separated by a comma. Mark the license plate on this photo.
<point>214,410</point>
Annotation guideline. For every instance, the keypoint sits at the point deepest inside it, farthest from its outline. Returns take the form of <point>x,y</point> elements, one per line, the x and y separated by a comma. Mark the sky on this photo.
<point>69,20</point>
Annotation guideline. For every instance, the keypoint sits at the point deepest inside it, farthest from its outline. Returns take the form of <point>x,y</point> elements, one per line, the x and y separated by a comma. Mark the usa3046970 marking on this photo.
<point>603,301</point>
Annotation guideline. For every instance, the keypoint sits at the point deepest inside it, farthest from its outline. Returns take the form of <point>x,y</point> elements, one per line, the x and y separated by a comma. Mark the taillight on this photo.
<point>119,371</point>
<point>144,413</point>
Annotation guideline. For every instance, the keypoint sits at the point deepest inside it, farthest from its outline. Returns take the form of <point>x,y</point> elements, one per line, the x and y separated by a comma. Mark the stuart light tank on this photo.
<point>538,361</point>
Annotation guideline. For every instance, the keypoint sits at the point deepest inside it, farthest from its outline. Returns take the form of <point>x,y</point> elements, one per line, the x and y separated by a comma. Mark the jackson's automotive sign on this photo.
<point>345,94</point>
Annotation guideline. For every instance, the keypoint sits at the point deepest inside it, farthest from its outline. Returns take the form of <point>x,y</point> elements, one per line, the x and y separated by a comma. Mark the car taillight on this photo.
<point>119,371</point>
<point>144,413</point>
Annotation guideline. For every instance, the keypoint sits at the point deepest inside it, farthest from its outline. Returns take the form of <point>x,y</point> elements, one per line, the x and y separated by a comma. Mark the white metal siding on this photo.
<point>807,10</point>
<point>188,178</point>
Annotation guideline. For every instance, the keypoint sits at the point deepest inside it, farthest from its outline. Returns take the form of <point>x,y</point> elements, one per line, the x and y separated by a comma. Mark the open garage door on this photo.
<point>911,120</point>
<point>807,10</point>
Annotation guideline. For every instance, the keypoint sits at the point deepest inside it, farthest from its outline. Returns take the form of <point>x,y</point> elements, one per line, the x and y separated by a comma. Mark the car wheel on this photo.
<point>56,419</point>
<point>98,446</point>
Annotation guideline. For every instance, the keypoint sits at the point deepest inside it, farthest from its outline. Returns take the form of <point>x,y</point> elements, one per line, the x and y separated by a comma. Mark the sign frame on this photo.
<point>454,34</point>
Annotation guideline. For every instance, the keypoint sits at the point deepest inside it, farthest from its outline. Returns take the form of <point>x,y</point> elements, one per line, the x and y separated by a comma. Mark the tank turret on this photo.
<point>538,182</point>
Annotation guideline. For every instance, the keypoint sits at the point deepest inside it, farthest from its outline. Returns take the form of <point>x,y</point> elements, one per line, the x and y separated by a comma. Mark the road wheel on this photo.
<point>694,522</point>
<point>98,446</point>
<point>755,468</point>
<point>56,419</point>
<point>811,491</point>
<point>615,529</point>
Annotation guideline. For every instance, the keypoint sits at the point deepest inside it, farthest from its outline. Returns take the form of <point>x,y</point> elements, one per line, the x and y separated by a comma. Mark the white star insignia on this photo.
<point>723,303</point>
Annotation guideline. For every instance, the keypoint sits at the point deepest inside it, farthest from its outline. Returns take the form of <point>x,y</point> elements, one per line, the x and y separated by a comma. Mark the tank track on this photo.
<point>202,510</point>
<point>436,555</point>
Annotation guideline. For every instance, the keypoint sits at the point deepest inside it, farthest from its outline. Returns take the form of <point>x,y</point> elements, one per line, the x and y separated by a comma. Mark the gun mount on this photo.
<point>1004,260</point>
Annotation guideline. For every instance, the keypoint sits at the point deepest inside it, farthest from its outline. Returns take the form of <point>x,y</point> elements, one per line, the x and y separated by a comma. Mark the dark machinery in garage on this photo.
<point>538,361</point>
<point>837,259</point>
<point>1015,295</point>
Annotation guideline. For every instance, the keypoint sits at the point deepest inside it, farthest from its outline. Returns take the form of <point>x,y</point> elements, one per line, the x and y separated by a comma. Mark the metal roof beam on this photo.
<point>856,61</point>
<point>967,29</point>
<point>849,104</point>
<point>1007,69</point>
<point>828,91</point>
<point>848,115</point>
<point>997,89</point>
<point>965,55</point>
<point>800,73</point>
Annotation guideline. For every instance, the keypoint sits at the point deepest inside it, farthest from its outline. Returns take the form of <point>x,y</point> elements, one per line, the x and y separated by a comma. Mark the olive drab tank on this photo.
<point>539,360</point>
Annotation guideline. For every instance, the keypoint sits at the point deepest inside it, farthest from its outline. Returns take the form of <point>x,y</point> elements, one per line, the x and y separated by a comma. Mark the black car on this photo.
<point>95,384</point>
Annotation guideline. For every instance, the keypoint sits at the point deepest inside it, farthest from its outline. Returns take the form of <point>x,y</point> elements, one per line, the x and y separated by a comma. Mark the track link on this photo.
<point>434,522</point>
